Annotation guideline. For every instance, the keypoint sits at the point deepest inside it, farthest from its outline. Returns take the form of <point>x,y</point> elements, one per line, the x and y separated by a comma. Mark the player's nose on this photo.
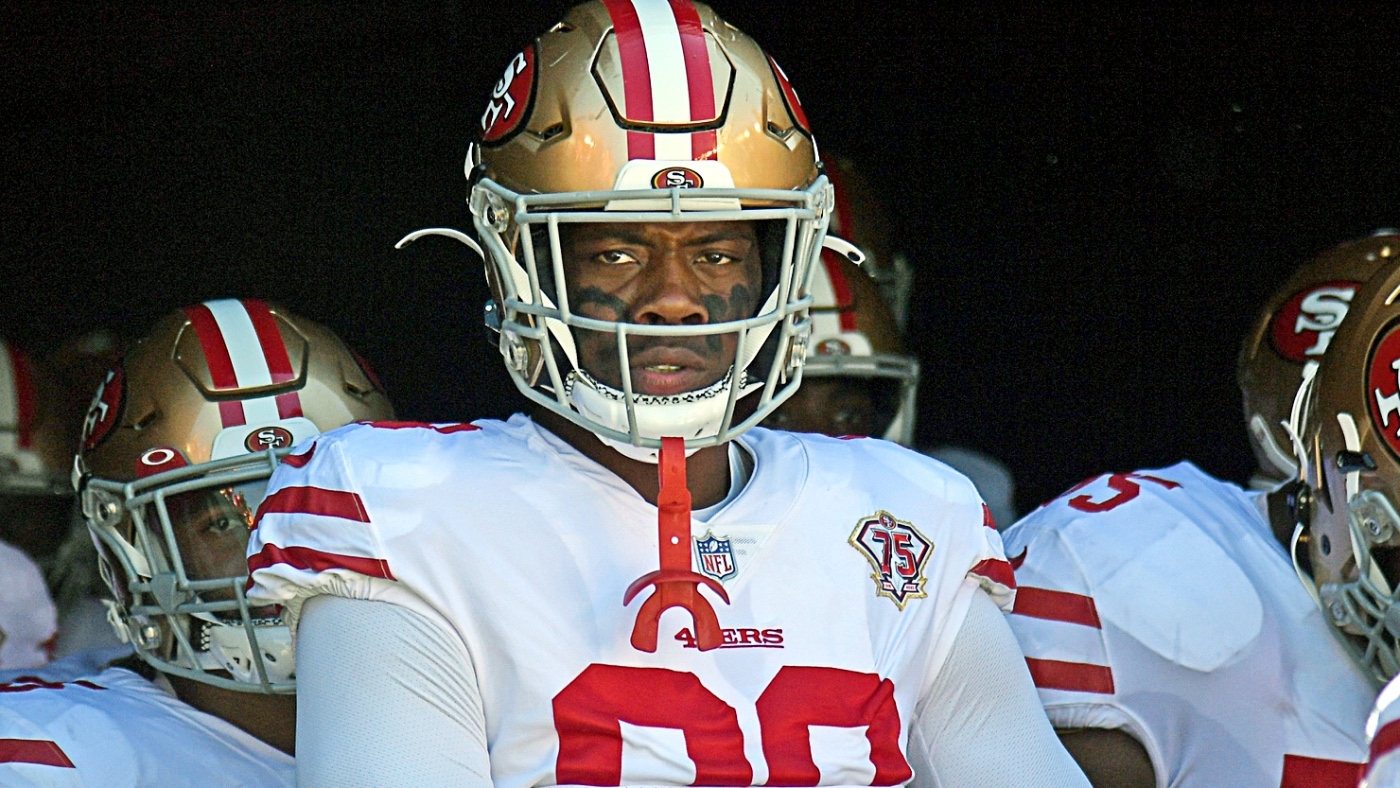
<point>670,294</point>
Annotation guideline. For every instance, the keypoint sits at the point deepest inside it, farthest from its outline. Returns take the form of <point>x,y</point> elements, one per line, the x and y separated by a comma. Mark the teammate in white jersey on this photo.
<point>534,602</point>
<point>177,448</point>
<point>1159,610</point>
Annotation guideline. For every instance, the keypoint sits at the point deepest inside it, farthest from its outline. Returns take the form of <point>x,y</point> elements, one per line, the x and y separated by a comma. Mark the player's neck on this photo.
<point>707,470</point>
<point>272,718</point>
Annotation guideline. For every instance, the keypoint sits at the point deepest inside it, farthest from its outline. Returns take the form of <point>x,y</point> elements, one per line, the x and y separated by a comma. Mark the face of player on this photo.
<point>831,406</point>
<point>211,530</point>
<point>671,274</point>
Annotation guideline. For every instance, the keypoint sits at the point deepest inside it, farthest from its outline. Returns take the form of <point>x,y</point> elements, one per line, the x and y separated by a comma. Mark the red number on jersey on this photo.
<point>1124,487</point>
<point>587,714</point>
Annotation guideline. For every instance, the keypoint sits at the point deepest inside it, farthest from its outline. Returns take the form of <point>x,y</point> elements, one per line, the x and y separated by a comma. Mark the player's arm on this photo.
<point>1110,758</point>
<point>981,722</point>
<point>385,697</point>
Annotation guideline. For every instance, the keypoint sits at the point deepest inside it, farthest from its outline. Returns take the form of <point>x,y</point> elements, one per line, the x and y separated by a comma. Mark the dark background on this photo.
<point>1096,201</point>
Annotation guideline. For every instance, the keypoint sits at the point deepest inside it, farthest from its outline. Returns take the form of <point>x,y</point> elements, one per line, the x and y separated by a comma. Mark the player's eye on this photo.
<point>615,257</point>
<point>716,258</point>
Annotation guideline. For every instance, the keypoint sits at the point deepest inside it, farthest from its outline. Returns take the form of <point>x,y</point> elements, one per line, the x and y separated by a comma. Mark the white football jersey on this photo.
<point>115,729</point>
<point>848,565</point>
<point>1160,603</point>
<point>28,619</point>
<point>1383,731</point>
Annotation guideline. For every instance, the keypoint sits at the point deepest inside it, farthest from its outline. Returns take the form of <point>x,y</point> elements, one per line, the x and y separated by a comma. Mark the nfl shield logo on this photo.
<point>716,557</point>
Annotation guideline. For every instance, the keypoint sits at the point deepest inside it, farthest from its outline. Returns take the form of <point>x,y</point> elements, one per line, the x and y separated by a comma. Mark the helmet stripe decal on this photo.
<point>248,356</point>
<point>662,47</point>
<point>636,75</point>
<point>699,80</point>
<point>22,410</point>
<point>279,364</point>
<point>216,356</point>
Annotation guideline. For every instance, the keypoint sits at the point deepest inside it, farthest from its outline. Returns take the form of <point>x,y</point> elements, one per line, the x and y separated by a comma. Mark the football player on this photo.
<point>1160,614</point>
<point>175,456</point>
<point>1346,537</point>
<point>631,586</point>
<point>858,379</point>
<point>35,440</point>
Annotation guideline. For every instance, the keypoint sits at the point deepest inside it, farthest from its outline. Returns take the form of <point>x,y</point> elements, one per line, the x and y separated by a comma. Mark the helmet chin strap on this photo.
<point>677,584</point>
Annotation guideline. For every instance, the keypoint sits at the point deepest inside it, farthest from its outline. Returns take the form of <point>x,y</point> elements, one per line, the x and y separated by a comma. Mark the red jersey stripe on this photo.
<point>1071,676</point>
<point>845,301</point>
<point>317,561</point>
<point>1387,739</point>
<point>38,751</point>
<point>316,501</point>
<point>636,74</point>
<point>24,396</point>
<point>698,77</point>
<point>987,518</point>
<point>1302,772</point>
<point>997,571</point>
<point>445,429</point>
<point>1057,606</point>
<point>300,460</point>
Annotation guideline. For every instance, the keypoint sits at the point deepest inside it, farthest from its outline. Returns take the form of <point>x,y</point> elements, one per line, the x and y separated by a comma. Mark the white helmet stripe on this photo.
<point>245,351</point>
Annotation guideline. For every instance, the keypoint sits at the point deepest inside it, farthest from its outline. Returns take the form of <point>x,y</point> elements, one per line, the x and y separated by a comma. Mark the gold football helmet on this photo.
<point>645,111</point>
<point>176,451</point>
<point>1346,542</point>
<point>1296,326</point>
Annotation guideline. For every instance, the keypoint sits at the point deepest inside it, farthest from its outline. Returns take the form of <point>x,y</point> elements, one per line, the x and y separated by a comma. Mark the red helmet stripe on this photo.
<point>216,356</point>
<point>699,80</point>
<point>845,301</point>
<point>636,74</point>
<point>24,396</point>
<point>279,363</point>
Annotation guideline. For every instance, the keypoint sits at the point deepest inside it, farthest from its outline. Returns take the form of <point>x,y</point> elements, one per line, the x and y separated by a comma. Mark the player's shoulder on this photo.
<point>1151,499</point>
<point>1173,535</point>
<point>103,704</point>
<point>878,464</point>
<point>362,449</point>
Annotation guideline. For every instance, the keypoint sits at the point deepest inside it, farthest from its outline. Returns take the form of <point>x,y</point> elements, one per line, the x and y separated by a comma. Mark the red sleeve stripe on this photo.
<point>1057,606</point>
<point>1071,676</point>
<point>24,396</point>
<point>1302,772</point>
<point>1386,740</point>
<point>445,429</point>
<point>987,518</point>
<point>37,751</point>
<point>317,561</point>
<point>315,501</point>
<point>300,460</point>
<point>997,571</point>
<point>699,80</point>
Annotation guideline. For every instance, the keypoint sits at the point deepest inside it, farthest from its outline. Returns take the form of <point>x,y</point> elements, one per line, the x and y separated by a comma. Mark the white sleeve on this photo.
<point>385,697</point>
<point>981,722</point>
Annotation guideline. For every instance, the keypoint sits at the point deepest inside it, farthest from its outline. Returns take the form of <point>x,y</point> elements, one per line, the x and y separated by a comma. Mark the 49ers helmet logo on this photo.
<point>677,178</point>
<point>510,99</point>
<point>1303,327</point>
<point>105,410</point>
<point>267,438</point>
<point>1383,386</point>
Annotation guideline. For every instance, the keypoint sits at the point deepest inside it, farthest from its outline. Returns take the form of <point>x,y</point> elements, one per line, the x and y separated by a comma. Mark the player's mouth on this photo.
<point>663,371</point>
